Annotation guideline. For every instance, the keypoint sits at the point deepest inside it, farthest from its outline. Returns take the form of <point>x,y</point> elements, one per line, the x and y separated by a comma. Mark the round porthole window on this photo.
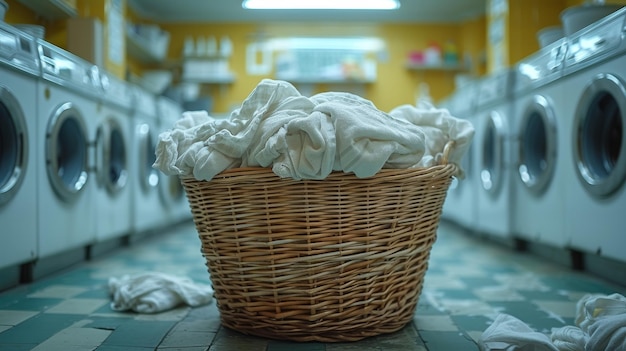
<point>148,176</point>
<point>537,148</point>
<point>599,145</point>
<point>13,146</point>
<point>112,150</point>
<point>66,152</point>
<point>492,144</point>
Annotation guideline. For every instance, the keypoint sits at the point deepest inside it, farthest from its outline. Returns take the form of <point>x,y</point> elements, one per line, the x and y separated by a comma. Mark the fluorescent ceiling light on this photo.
<point>321,4</point>
<point>367,44</point>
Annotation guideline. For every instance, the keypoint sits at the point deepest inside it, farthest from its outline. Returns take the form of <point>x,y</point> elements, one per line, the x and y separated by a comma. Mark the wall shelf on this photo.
<point>139,49</point>
<point>51,9</point>
<point>322,80</point>
<point>441,67</point>
<point>206,70</point>
<point>219,79</point>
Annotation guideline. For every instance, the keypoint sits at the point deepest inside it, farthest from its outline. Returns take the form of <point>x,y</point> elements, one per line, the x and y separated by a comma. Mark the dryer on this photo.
<point>595,118</point>
<point>19,68</point>
<point>539,168</point>
<point>147,212</point>
<point>493,154</point>
<point>112,197</point>
<point>173,196</point>
<point>67,96</point>
<point>460,204</point>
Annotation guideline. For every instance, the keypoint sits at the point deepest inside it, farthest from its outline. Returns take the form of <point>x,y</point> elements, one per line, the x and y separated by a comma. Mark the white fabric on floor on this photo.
<point>508,333</point>
<point>308,138</point>
<point>156,292</point>
<point>600,326</point>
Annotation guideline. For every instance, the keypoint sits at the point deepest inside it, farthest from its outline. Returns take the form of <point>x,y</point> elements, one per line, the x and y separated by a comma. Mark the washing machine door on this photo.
<point>148,176</point>
<point>537,145</point>
<point>111,162</point>
<point>171,189</point>
<point>176,189</point>
<point>599,129</point>
<point>13,146</point>
<point>67,152</point>
<point>492,167</point>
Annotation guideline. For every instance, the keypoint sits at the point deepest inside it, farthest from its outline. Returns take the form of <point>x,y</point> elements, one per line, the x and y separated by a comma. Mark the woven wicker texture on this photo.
<point>328,260</point>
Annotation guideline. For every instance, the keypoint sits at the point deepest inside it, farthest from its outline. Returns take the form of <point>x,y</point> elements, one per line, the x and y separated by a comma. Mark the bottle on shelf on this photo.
<point>226,46</point>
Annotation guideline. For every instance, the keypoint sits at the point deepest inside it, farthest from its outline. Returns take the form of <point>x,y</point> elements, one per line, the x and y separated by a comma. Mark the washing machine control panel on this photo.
<point>116,91</point>
<point>17,50</point>
<point>67,69</point>
<point>597,41</point>
<point>144,101</point>
<point>540,68</point>
<point>495,87</point>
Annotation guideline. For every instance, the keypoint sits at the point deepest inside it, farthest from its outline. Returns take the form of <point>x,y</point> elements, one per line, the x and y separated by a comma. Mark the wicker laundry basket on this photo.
<point>330,260</point>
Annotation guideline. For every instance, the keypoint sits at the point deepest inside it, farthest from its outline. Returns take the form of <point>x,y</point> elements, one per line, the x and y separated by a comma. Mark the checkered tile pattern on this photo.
<point>468,283</point>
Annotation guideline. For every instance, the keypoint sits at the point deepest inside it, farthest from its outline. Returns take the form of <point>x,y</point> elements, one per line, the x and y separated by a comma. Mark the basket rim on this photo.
<point>261,170</point>
<point>257,170</point>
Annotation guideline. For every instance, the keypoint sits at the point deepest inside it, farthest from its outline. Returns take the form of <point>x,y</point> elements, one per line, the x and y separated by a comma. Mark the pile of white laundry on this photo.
<point>303,137</point>
<point>600,326</point>
<point>154,292</point>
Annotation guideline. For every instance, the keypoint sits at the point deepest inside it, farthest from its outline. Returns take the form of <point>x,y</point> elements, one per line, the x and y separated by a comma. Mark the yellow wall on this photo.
<point>526,18</point>
<point>19,13</point>
<point>473,38</point>
<point>395,84</point>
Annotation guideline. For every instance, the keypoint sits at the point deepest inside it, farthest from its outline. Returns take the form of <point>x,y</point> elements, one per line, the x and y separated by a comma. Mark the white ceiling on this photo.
<point>411,11</point>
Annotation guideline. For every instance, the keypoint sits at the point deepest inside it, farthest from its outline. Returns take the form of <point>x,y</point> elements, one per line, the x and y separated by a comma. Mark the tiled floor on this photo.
<point>468,283</point>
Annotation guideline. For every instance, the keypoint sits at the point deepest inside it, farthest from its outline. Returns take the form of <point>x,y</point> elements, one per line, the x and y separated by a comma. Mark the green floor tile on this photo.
<point>33,304</point>
<point>81,277</point>
<point>17,347</point>
<point>101,292</point>
<point>472,323</point>
<point>106,323</point>
<point>274,345</point>
<point>457,294</point>
<point>139,333</point>
<point>530,314</point>
<point>183,339</point>
<point>479,282</point>
<point>578,283</point>
<point>444,341</point>
<point>123,348</point>
<point>37,329</point>
<point>552,294</point>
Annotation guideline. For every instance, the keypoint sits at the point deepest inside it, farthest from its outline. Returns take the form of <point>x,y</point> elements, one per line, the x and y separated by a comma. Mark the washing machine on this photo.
<point>112,197</point>
<point>19,68</point>
<point>539,169</point>
<point>173,196</point>
<point>67,95</point>
<point>493,155</point>
<point>595,146</point>
<point>460,205</point>
<point>147,211</point>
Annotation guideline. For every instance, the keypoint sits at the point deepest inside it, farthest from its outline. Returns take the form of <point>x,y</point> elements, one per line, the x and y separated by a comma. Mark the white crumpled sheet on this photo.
<point>308,138</point>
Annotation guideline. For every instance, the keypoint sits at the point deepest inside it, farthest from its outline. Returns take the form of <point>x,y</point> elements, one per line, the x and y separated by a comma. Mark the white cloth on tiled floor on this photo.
<point>156,292</point>
<point>569,338</point>
<point>508,333</point>
<point>603,318</point>
<point>308,138</point>
<point>600,326</point>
